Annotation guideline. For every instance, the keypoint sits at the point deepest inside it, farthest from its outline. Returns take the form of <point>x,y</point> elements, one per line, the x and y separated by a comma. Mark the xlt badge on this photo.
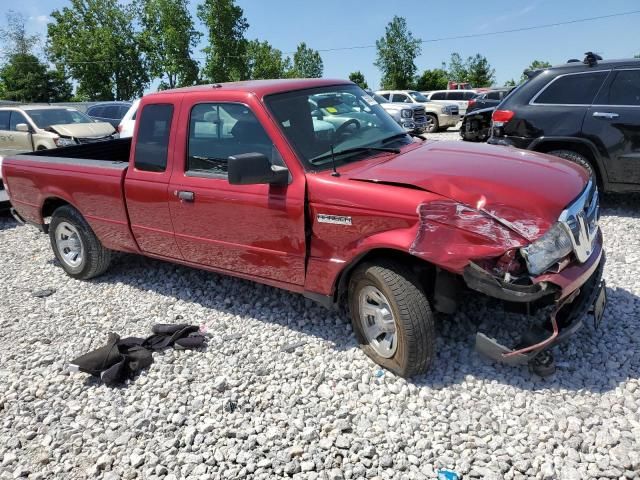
<point>335,219</point>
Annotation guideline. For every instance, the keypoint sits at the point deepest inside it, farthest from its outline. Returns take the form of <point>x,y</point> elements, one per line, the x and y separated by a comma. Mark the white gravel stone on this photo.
<point>243,408</point>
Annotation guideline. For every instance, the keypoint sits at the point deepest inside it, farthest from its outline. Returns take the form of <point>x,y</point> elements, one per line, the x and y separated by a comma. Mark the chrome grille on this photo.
<point>419,115</point>
<point>581,220</point>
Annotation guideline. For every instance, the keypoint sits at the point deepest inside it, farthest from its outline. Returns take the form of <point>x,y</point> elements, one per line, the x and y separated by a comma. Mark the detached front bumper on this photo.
<point>446,120</point>
<point>573,291</point>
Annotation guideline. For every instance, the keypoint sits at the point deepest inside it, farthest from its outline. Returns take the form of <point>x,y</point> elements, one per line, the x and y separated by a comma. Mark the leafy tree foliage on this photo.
<point>436,79</point>
<point>358,78</point>
<point>307,63</point>
<point>226,52</point>
<point>26,79</point>
<point>479,71</point>
<point>510,83</point>
<point>95,39</point>
<point>167,38</point>
<point>14,37</point>
<point>264,61</point>
<point>397,52</point>
<point>457,68</point>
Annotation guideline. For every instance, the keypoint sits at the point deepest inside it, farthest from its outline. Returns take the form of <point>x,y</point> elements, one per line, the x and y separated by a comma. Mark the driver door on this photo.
<point>253,230</point>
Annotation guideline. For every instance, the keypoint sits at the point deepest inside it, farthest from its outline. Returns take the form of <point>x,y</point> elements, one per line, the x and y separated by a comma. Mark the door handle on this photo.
<point>185,196</point>
<point>609,115</point>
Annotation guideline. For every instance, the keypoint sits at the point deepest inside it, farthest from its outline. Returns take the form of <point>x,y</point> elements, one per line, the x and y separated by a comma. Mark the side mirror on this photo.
<point>255,168</point>
<point>22,127</point>
<point>95,120</point>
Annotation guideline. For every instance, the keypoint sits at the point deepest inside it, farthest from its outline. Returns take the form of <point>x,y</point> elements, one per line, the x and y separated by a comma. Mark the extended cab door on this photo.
<point>613,125</point>
<point>147,180</point>
<point>255,230</point>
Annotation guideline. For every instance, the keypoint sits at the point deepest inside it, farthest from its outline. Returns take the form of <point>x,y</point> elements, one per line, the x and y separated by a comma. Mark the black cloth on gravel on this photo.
<point>123,358</point>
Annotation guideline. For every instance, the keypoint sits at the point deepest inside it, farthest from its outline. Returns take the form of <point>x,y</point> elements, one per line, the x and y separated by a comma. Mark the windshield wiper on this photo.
<point>354,150</point>
<point>393,137</point>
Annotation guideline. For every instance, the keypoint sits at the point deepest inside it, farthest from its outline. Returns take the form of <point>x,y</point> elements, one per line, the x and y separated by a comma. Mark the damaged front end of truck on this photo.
<point>501,253</point>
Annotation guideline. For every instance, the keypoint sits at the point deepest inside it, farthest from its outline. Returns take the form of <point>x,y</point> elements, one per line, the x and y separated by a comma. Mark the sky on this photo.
<point>334,24</point>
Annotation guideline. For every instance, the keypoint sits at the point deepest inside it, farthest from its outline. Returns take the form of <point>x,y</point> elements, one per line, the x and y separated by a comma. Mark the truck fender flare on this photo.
<point>539,142</point>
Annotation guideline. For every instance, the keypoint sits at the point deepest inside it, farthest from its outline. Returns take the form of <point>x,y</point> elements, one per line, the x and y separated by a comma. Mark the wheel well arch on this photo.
<point>51,204</point>
<point>584,148</point>
<point>423,269</point>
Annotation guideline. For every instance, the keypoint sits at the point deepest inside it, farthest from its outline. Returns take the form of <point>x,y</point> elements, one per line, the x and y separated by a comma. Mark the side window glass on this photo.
<point>400,97</point>
<point>577,89</point>
<point>220,130</point>
<point>625,89</point>
<point>455,96</point>
<point>493,95</point>
<point>438,96</point>
<point>111,111</point>
<point>153,138</point>
<point>96,111</point>
<point>385,95</point>
<point>4,120</point>
<point>16,118</point>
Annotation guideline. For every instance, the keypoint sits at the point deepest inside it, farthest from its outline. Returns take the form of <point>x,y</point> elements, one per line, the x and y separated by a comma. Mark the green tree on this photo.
<point>479,71</point>
<point>26,79</point>
<point>457,69</point>
<point>14,37</point>
<point>510,83</point>
<point>535,65</point>
<point>226,51</point>
<point>95,39</point>
<point>168,37</point>
<point>358,78</point>
<point>397,52</point>
<point>307,63</point>
<point>436,79</point>
<point>264,61</point>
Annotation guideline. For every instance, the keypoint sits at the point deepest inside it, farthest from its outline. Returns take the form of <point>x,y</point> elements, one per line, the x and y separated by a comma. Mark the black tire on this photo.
<point>575,157</point>
<point>434,126</point>
<point>414,322</point>
<point>95,258</point>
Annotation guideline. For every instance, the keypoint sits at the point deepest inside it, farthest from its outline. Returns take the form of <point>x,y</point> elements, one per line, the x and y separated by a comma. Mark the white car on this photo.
<point>459,97</point>
<point>4,196</point>
<point>439,117</point>
<point>125,128</point>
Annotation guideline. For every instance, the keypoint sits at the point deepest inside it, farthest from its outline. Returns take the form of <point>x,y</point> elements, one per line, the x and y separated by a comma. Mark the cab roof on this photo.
<point>259,87</point>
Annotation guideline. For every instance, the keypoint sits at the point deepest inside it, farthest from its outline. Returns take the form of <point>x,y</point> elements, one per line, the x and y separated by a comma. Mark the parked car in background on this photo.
<point>111,112</point>
<point>587,112</point>
<point>125,127</point>
<point>411,117</point>
<point>439,117</point>
<point>487,99</point>
<point>476,125</point>
<point>459,97</point>
<point>37,127</point>
<point>236,180</point>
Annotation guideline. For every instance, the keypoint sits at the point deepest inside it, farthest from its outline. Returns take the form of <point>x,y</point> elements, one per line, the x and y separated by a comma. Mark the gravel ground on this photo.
<point>244,407</point>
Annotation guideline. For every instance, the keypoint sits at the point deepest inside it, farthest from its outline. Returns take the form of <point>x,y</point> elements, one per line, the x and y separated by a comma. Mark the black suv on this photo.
<point>587,112</point>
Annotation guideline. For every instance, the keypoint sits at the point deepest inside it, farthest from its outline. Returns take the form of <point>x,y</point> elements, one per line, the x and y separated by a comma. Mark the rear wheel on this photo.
<point>575,157</point>
<point>75,245</point>
<point>432,123</point>
<point>392,318</point>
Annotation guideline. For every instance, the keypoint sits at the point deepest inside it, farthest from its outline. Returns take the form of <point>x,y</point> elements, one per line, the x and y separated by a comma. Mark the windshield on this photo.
<point>342,116</point>
<point>57,116</point>
<point>418,97</point>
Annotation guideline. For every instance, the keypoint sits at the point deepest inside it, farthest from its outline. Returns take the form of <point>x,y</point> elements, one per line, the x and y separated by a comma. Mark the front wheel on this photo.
<point>75,245</point>
<point>432,123</point>
<point>392,318</point>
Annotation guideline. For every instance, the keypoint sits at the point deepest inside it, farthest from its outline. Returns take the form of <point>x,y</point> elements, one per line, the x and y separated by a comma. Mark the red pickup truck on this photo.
<point>308,185</point>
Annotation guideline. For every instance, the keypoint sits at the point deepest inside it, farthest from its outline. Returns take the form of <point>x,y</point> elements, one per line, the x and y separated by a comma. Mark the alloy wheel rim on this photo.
<point>378,322</point>
<point>69,244</point>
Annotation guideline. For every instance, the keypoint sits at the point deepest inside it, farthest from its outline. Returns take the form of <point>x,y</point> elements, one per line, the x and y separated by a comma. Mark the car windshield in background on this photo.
<point>418,97</point>
<point>57,116</point>
<point>343,117</point>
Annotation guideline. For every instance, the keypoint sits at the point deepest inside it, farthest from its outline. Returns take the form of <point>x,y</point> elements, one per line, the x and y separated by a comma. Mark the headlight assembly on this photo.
<point>406,113</point>
<point>548,249</point>
<point>64,142</point>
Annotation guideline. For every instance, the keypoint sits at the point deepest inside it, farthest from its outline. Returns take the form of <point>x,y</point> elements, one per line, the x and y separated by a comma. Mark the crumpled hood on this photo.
<point>84,130</point>
<point>526,190</point>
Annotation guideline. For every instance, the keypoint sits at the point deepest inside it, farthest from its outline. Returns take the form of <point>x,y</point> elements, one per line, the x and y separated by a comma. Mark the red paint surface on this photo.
<point>434,200</point>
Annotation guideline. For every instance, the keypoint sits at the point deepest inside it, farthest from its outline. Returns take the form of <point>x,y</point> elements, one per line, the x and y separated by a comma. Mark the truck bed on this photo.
<point>89,177</point>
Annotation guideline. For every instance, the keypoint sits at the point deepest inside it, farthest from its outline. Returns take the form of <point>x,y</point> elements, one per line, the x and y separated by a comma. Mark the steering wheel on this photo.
<point>342,129</point>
